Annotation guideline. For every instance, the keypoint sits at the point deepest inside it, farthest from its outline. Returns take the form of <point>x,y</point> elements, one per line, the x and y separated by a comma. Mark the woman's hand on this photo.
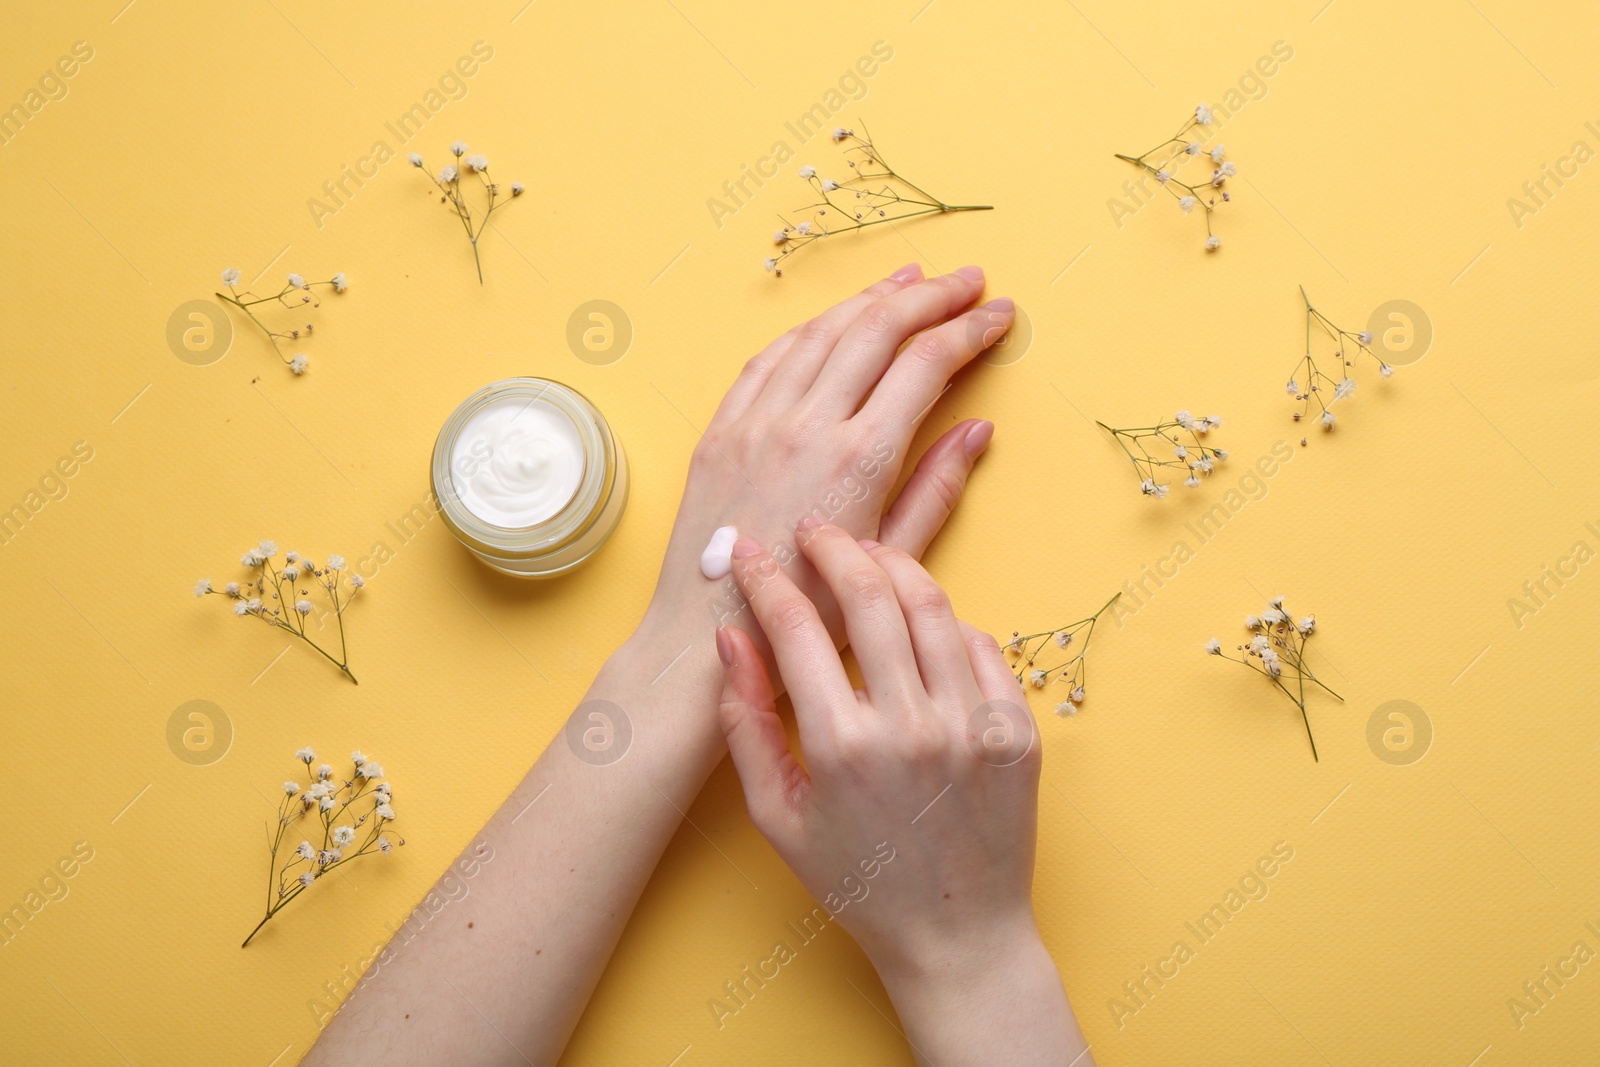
<point>914,817</point>
<point>820,423</point>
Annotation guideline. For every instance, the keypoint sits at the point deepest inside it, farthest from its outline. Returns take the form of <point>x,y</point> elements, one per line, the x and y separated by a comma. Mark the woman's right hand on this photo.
<point>913,820</point>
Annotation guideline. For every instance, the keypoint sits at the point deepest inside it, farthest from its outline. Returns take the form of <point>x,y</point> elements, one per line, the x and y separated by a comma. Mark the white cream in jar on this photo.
<point>528,475</point>
<point>517,462</point>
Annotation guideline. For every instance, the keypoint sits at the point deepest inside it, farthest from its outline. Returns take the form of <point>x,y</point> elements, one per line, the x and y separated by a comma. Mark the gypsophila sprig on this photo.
<point>338,820</point>
<point>1312,382</point>
<point>297,295</point>
<point>868,192</point>
<point>1277,651</point>
<point>1167,159</point>
<point>1177,445</point>
<point>455,186</point>
<point>279,596</point>
<point>1071,672</point>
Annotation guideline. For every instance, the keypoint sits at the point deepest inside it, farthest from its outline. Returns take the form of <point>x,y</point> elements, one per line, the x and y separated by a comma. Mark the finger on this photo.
<point>801,644</point>
<point>814,340</point>
<point>868,347</point>
<point>775,785</point>
<point>752,378</point>
<point>941,653</point>
<point>993,673</point>
<point>934,488</point>
<point>917,377</point>
<point>872,620</point>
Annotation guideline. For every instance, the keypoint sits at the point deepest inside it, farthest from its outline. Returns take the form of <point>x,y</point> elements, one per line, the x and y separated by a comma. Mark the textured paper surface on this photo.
<point>1375,164</point>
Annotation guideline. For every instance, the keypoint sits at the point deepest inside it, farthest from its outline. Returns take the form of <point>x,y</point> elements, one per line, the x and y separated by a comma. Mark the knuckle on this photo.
<point>946,486</point>
<point>817,331</point>
<point>981,641</point>
<point>867,584</point>
<point>879,319</point>
<point>932,348</point>
<point>790,615</point>
<point>929,601</point>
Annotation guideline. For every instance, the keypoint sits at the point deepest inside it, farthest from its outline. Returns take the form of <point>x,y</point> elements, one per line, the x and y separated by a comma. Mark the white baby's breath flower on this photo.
<point>1192,481</point>
<point>1228,169</point>
<point>517,188</point>
<point>299,364</point>
<point>1015,644</point>
<point>384,812</point>
<point>1385,370</point>
<point>1307,624</point>
<point>1036,678</point>
<point>241,608</point>
<point>1076,696</point>
<point>291,573</point>
<point>232,589</point>
<point>1364,337</point>
<point>1213,243</point>
<point>1272,616</point>
<point>1214,647</point>
<point>305,851</point>
<point>291,788</point>
<point>1192,148</point>
<point>1163,177</point>
<point>1328,420</point>
<point>1217,177</point>
<point>809,172</point>
<point>297,281</point>
<point>1066,708</point>
<point>1063,639</point>
<point>840,133</point>
<point>770,263</point>
<point>779,237</point>
<point>803,229</point>
<point>305,755</point>
<point>415,158</point>
<point>1181,452</point>
<point>356,581</point>
<point>230,277</point>
<point>478,161</point>
<point>343,835</point>
<point>458,149</point>
<point>253,604</point>
<point>1149,488</point>
<point>1252,621</point>
<point>1187,203</point>
<point>829,185</point>
<point>1269,660</point>
<point>370,769</point>
<point>447,173</point>
<point>358,757</point>
<point>1184,419</point>
<point>325,804</point>
<point>329,855</point>
<point>340,282</point>
<point>1260,643</point>
<point>1345,387</point>
<point>303,606</point>
<point>383,845</point>
<point>1202,115</point>
<point>1293,389</point>
<point>1218,152</point>
<point>335,563</point>
<point>324,771</point>
<point>307,878</point>
<point>268,548</point>
<point>202,587</point>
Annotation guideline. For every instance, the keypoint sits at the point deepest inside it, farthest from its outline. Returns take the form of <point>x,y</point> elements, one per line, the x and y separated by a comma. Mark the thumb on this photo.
<point>775,785</point>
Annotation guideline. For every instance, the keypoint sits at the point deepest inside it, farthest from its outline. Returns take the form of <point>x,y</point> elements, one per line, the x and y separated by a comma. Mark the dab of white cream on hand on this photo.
<point>716,562</point>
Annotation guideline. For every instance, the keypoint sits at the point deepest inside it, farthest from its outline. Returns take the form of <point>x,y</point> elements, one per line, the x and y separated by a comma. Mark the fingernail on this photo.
<point>971,274</point>
<point>1001,303</point>
<point>977,438</point>
<point>911,272</point>
<point>745,547</point>
<point>810,522</point>
<point>724,646</point>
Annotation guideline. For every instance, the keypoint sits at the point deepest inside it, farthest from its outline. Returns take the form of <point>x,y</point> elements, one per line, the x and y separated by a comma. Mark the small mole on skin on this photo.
<point>408,1015</point>
<point>946,896</point>
<point>469,925</point>
<point>538,952</point>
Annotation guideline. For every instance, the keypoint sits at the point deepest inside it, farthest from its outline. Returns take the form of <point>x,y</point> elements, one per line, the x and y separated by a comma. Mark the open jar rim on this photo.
<point>574,518</point>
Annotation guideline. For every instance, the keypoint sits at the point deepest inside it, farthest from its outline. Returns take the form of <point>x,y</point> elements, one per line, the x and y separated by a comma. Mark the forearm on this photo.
<point>1001,1004</point>
<point>573,848</point>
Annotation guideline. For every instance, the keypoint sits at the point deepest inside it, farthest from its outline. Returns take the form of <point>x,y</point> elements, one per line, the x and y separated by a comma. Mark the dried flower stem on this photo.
<point>1196,457</point>
<point>448,182</point>
<point>1318,381</point>
<point>867,203</point>
<point>331,802</point>
<point>1278,647</point>
<point>291,609</point>
<point>247,301</point>
<point>1173,152</point>
<point>1023,647</point>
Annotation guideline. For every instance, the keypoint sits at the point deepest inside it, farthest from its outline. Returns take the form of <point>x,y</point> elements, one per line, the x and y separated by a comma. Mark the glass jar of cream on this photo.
<point>529,476</point>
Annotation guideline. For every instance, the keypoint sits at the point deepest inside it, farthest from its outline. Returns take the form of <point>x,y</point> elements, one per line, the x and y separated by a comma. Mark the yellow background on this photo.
<point>1377,165</point>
